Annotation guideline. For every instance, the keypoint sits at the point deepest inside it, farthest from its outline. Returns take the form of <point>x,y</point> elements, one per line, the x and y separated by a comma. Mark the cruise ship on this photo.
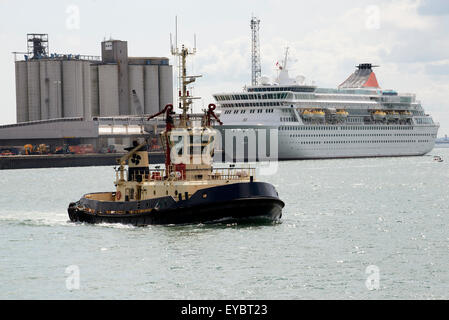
<point>356,119</point>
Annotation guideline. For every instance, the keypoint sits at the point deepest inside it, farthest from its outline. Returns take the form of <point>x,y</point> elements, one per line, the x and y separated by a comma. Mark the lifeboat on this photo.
<point>393,116</point>
<point>307,115</point>
<point>405,115</point>
<point>379,115</point>
<point>341,114</point>
<point>318,115</point>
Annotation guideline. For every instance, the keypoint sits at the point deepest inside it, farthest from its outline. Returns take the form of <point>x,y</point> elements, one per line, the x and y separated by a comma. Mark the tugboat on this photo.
<point>188,190</point>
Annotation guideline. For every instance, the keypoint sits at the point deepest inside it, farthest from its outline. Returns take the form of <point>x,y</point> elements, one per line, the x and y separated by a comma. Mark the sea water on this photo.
<point>374,228</point>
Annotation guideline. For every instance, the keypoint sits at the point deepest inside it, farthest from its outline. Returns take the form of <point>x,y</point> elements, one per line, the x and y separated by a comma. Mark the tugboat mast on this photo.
<point>185,100</point>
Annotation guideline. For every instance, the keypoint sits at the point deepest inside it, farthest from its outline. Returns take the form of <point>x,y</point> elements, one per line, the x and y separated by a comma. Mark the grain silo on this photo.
<point>50,86</point>
<point>151,105</point>
<point>108,90</point>
<point>136,82</point>
<point>54,84</point>
<point>34,91</point>
<point>87,91</point>
<point>72,74</point>
<point>94,94</point>
<point>22,91</point>
<point>165,85</point>
<point>116,52</point>
<point>45,93</point>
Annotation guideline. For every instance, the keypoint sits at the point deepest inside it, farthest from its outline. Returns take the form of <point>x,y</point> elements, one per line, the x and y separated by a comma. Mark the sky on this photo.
<point>408,39</point>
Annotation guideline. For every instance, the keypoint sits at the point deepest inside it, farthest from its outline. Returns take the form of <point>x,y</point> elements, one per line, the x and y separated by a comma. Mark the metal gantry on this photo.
<point>37,44</point>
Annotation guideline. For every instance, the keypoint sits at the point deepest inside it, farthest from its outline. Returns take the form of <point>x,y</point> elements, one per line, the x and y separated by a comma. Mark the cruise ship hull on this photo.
<point>331,141</point>
<point>354,152</point>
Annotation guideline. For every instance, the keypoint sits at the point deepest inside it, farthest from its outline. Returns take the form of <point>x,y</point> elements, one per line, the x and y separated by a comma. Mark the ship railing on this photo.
<point>233,173</point>
<point>146,176</point>
<point>228,174</point>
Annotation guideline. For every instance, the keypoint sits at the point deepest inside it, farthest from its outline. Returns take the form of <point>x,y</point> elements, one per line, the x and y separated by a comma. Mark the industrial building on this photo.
<point>71,98</point>
<point>51,86</point>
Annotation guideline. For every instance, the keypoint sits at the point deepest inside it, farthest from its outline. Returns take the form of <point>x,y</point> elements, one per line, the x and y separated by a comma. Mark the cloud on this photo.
<point>403,14</point>
<point>440,68</point>
<point>434,8</point>
<point>228,60</point>
<point>417,47</point>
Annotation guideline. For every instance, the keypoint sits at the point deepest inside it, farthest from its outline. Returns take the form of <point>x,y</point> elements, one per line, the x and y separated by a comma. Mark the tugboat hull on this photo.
<point>233,203</point>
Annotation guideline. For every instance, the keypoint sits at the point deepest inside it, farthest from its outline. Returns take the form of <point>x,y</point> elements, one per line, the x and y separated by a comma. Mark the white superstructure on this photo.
<point>358,119</point>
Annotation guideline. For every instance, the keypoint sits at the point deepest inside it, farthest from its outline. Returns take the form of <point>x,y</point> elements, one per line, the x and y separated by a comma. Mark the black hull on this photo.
<point>231,203</point>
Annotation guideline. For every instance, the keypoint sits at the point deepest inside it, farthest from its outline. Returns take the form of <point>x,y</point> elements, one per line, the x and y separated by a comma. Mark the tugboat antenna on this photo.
<point>184,98</point>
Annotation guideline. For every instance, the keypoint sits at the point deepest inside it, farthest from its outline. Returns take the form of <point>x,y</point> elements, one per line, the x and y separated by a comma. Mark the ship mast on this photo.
<point>184,98</point>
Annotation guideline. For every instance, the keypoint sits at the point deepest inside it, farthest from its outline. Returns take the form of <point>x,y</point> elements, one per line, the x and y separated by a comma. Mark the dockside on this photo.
<point>67,160</point>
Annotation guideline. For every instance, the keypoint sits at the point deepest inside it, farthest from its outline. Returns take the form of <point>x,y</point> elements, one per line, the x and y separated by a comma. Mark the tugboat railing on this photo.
<point>228,174</point>
<point>232,173</point>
